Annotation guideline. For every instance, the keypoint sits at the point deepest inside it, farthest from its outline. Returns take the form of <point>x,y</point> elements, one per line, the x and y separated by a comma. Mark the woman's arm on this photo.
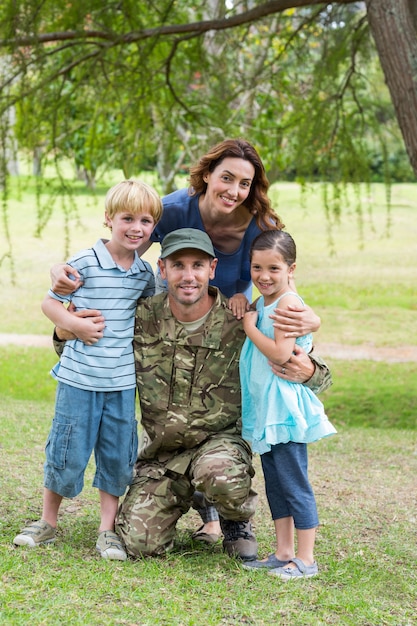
<point>145,246</point>
<point>61,280</point>
<point>296,320</point>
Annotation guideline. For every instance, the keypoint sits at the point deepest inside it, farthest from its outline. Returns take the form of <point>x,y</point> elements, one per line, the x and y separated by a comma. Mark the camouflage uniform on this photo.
<point>189,393</point>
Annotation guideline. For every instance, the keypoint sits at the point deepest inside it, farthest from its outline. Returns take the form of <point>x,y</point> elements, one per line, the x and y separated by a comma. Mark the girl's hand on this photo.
<point>296,321</point>
<point>249,320</point>
<point>238,304</point>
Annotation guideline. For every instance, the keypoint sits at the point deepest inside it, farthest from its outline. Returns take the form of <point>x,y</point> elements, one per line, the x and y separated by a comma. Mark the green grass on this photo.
<point>364,393</point>
<point>24,373</point>
<point>364,478</point>
<point>372,394</point>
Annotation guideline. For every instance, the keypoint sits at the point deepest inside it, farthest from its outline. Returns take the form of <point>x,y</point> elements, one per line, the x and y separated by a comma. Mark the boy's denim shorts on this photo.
<point>103,421</point>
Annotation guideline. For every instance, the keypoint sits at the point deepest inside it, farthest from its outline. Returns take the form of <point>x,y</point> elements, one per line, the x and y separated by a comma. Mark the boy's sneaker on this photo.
<point>35,534</point>
<point>110,546</point>
<point>239,540</point>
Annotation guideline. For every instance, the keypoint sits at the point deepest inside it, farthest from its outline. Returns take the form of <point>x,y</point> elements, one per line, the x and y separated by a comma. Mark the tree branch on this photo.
<point>257,13</point>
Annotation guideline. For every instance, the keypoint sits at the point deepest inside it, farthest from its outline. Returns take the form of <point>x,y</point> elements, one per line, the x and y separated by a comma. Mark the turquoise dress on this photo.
<point>275,410</point>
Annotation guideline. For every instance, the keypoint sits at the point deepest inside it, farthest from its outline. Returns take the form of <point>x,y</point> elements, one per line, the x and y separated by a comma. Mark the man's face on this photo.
<point>188,273</point>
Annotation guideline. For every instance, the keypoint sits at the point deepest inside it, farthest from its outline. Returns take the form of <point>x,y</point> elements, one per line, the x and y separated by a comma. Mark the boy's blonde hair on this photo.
<point>133,196</point>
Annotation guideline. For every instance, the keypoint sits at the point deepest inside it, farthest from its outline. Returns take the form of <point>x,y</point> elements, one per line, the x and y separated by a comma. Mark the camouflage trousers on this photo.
<point>161,492</point>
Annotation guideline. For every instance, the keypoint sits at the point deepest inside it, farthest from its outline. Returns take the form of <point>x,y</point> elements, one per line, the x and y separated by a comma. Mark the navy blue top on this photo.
<point>233,270</point>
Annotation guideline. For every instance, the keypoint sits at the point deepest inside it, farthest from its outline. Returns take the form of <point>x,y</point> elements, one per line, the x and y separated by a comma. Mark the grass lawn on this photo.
<point>364,480</point>
<point>362,284</point>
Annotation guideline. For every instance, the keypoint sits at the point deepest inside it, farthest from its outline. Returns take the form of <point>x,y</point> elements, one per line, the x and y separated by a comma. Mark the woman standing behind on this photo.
<point>227,199</point>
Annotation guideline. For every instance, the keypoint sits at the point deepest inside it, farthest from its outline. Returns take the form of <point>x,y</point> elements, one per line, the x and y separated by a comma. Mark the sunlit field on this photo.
<point>358,271</point>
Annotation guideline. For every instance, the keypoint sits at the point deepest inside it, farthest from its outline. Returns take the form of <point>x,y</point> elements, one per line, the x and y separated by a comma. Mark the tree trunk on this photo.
<point>393,27</point>
<point>37,161</point>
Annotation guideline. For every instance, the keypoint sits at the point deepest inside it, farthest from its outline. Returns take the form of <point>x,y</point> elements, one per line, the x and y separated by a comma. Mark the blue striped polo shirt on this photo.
<point>109,364</point>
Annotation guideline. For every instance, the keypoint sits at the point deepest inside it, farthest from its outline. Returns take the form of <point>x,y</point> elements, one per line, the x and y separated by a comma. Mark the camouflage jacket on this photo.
<point>189,386</point>
<point>188,383</point>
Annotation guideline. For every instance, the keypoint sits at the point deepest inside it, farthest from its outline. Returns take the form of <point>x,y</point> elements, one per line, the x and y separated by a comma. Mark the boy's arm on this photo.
<point>60,335</point>
<point>81,326</point>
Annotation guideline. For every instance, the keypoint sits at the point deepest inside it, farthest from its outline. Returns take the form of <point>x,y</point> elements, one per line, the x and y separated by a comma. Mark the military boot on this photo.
<point>239,540</point>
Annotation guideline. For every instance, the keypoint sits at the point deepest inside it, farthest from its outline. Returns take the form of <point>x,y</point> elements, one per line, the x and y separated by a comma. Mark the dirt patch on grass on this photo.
<point>30,341</point>
<point>367,352</point>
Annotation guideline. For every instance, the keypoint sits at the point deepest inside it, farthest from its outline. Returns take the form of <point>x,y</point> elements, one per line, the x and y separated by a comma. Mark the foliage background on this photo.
<point>110,87</point>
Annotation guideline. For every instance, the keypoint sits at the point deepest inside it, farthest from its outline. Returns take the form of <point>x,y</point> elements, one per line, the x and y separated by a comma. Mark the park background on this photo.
<point>306,86</point>
<point>360,278</point>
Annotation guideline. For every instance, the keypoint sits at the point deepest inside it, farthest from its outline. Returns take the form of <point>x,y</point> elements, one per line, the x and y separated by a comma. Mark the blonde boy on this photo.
<point>95,401</point>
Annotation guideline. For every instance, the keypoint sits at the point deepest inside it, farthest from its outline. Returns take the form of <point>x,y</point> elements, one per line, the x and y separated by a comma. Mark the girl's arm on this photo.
<point>308,369</point>
<point>238,304</point>
<point>280,348</point>
<point>296,320</point>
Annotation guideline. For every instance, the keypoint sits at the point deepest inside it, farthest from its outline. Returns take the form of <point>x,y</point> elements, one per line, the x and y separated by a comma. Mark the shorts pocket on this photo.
<point>57,444</point>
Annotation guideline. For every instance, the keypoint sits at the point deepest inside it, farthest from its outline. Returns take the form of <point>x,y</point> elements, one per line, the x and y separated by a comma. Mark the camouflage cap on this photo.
<point>185,238</point>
